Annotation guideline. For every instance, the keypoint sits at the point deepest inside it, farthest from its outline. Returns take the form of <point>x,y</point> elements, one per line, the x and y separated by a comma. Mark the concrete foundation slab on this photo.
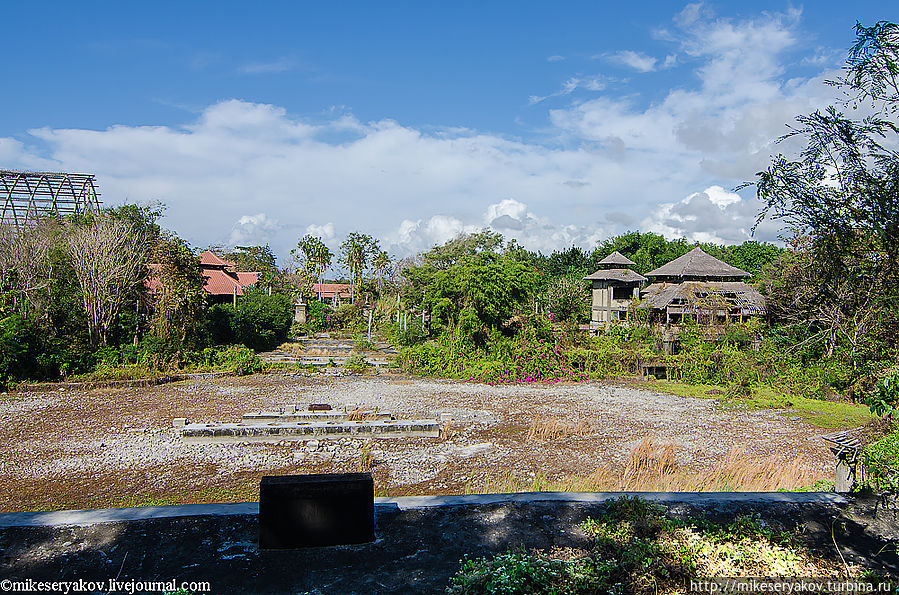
<point>275,416</point>
<point>302,431</point>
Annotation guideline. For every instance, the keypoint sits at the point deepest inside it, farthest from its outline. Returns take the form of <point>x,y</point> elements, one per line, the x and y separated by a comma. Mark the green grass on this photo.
<point>637,549</point>
<point>824,414</point>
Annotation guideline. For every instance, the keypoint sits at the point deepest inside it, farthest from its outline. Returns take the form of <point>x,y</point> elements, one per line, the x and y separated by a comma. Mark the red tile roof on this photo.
<point>246,279</point>
<point>221,279</point>
<point>221,283</point>
<point>208,259</point>
<point>328,290</point>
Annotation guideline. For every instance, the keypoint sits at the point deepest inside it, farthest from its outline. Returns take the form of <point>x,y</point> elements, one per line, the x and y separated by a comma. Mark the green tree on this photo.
<point>181,298</point>
<point>840,199</point>
<point>263,321</point>
<point>357,252</point>
<point>648,250</point>
<point>381,262</point>
<point>461,247</point>
<point>253,258</point>
<point>568,299</point>
<point>316,257</point>
<point>464,283</point>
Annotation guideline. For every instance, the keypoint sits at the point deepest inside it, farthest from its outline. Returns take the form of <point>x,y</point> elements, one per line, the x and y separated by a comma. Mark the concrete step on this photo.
<point>303,431</point>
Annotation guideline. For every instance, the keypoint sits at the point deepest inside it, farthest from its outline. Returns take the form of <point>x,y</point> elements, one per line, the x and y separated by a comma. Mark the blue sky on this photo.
<point>553,123</point>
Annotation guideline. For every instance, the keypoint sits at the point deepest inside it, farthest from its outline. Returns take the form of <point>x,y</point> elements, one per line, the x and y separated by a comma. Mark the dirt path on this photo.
<point>111,447</point>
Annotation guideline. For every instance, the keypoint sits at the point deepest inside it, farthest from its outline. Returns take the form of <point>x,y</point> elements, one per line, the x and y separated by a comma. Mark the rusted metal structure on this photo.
<point>29,195</point>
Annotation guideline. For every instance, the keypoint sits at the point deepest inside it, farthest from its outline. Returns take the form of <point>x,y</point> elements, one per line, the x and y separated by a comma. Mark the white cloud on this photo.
<point>713,215</point>
<point>325,232</point>
<point>590,83</point>
<point>603,163</point>
<point>636,60</point>
<point>253,230</point>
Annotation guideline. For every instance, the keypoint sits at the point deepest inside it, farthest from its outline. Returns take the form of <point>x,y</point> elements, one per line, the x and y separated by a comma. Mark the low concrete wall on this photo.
<point>419,541</point>
<point>303,431</point>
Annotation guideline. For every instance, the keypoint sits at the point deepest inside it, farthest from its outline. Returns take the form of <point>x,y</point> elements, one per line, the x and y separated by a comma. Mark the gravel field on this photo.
<point>105,447</point>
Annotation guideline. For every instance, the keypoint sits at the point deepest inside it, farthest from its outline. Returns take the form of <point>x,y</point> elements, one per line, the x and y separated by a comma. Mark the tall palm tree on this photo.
<point>380,262</point>
<point>356,250</point>
<point>321,256</point>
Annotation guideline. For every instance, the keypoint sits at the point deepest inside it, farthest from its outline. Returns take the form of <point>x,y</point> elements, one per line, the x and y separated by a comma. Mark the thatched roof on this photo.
<point>618,259</point>
<point>705,295</point>
<point>622,275</point>
<point>696,264</point>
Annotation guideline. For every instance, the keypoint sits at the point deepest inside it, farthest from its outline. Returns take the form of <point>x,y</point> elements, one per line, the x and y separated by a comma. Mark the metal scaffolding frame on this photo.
<point>29,195</point>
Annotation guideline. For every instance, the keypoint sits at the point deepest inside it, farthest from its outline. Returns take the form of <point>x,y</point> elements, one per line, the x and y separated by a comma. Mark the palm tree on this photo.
<point>322,257</point>
<point>356,250</point>
<point>380,262</point>
<point>317,258</point>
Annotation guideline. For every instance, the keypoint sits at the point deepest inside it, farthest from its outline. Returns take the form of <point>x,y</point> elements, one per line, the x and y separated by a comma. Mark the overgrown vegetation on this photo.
<point>637,549</point>
<point>112,297</point>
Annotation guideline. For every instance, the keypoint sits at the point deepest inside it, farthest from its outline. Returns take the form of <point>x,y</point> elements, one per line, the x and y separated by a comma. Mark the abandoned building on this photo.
<point>697,287</point>
<point>335,293</point>
<point>224,283</point>
<point>615,287</point>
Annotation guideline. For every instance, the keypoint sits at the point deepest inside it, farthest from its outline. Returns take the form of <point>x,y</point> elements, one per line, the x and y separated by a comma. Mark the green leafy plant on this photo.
<point>240,360</point>
<point>511,573</point>
<point>881,461</point>
<point>356,363</point>
<point>884,399</point>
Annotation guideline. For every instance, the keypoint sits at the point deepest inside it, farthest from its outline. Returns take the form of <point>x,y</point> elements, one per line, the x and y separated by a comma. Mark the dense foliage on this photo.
<point>636,548</point>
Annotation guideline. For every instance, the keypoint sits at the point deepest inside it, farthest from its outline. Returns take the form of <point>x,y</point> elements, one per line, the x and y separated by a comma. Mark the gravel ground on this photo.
<point>89,448</point>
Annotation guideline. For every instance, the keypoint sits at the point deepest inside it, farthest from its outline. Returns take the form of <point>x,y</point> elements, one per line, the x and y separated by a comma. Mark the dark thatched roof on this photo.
<point>705,295</point>
<point>622,275</point>
<point>618,259</point>
<point>696,264</point>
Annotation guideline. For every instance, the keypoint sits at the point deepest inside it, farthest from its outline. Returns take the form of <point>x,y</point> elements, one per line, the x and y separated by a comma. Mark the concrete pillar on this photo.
<point>844,479</point>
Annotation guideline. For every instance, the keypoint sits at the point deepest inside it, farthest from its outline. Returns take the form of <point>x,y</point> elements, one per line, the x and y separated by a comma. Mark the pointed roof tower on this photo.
<point>696,265</point>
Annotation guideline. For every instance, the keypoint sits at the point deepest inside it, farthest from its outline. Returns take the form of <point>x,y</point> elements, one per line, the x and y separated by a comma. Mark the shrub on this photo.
<point>884,398</point>
<point>20,346</point>
<point>356,363</point>
<point>317,316</point>
<point>221,321</point>
<point>360,343</point>
<point>881,461</point>
<point>240,360</point>
<point>510,573</point>
<point>262,320</point>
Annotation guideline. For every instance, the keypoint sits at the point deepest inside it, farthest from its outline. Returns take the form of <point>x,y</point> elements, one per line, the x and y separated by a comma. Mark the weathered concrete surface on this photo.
<point>56,518</point>
<point>288,416</point>
<point>417,549</point>
<point>303,431</point>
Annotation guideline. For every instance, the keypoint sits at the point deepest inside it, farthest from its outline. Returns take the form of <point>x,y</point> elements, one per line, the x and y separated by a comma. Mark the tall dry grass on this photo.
<point>548,428</point>
<point>652,467</point>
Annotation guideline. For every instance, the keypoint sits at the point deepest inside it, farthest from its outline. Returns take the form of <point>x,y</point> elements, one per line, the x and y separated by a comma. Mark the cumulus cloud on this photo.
<point>325,232</point>
<point>725,126</point>
<point>605,160</point>
<point>253,230</point>
<point>713,215</point>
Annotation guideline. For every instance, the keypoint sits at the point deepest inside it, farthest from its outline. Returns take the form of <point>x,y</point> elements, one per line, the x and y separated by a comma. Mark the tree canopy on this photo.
<point>840,199</point>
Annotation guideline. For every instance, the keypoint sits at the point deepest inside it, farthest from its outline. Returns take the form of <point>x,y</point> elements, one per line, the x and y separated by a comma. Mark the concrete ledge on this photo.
<point>303,431</point>
<point>275,416</point>
<point>112,515</point>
